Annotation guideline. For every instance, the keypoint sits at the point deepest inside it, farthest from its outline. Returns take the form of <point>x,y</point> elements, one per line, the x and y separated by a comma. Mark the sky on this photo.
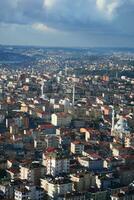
<point>67,23</point>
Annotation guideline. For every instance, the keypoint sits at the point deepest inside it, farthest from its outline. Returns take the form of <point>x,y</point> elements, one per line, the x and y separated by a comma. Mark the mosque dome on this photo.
<point>122,126</point>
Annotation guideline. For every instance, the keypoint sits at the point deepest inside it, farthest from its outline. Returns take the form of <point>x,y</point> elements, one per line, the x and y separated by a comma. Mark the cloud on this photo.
<point>49,3</point>
<point>107,7</point>
<point>43,27</point>
<point>90,9</point>
<point>50,9</point>
<point>70,15</point>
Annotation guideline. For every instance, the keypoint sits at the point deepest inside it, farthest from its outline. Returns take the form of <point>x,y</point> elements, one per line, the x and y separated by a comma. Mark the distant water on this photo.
<point>9,62</point>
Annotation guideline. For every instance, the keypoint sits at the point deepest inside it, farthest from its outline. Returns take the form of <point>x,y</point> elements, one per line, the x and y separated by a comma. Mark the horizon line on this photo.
<point>67,47</point>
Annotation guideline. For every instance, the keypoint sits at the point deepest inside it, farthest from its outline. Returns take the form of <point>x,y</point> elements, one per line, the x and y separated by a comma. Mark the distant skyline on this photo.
<point>67,23</point>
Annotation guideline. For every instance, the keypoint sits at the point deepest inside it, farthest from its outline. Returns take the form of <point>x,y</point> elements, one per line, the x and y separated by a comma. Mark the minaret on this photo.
<point>42,89</point>
<point>117,75</point>
<point>66,71</point>
<point>32,70</point>
<point>73,101</point>
<point>113,119</point>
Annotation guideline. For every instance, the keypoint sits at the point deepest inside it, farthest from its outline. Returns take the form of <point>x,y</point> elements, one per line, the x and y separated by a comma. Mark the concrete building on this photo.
<point>29,192</point>
<point>56,163</point>
<point>56,186</point>
<point>21,194</point>
<point>61,119</point>
<point>93,162</point>
<point>129,141</point>
<point>32,172</point>
<point>82,181</point>
<point>123,195</point>
<point>77,147</point>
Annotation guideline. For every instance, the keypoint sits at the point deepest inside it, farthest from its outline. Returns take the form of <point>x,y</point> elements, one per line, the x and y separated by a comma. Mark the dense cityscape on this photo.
<point>66,123</point>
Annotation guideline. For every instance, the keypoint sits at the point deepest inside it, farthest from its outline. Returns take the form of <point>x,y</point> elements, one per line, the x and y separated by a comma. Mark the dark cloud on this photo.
<point>102,17</point>
<point>21,11</point>
<point>65,13</point>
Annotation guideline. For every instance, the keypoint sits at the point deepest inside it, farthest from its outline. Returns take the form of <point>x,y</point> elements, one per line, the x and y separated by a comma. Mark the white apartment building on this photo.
<point>56,163</point>
<point>93,163</point>
<point>21,194</point>
<point>61,119</point>
<point>56,186</point>
<point>31,172</point>
<point>29,193</point>
<point>77,147</point>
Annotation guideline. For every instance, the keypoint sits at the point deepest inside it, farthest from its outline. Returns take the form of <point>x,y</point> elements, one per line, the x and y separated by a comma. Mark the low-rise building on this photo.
<point>56,186</point>
<point>32,172</point>
<point>61,119</point>
<point>94,162</point>
<point>82,181</point>
<point>77,147</point>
